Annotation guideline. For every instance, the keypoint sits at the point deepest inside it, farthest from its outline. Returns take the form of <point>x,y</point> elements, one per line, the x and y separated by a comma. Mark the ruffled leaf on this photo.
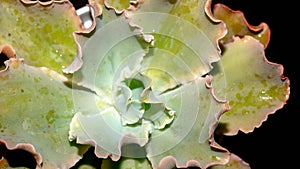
<point>118,5</point>
<point>237,25</point>
<point>126,163</point>
<point>105,60</point>
<point>38,109</point>
<point>41,34</point>
<point>254,86</point>
<point>197,113</point>
<point>234,163</point>
<point>181,41</point>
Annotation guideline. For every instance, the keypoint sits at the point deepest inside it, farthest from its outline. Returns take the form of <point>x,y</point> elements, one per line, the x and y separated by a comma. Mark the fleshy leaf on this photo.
<point>197,113</point>
<point>42,35</point>
<point>194,12</point>
<point>234,163</point>
<point>36,108</point>
<point>180,49</point>
<point>238,26</point>
<point>87,14</point>
<point>254,86</point>
<point>127,163</point>
<point>135,100</point>
<point>110,141</point>
<point>181,45</point>
<point>104,60</point>
<point>118,5</point>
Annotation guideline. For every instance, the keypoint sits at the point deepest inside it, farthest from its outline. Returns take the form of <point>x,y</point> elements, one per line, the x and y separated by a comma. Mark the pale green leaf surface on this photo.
<point>36,108</point>
<point>197,113</point>
<point>105,131</point>
<point>184,51</point>
<point>186,47</point>
<point>42,35</point>
<point>254,86</point>
<point>195,12</point>
<point>106,59</point>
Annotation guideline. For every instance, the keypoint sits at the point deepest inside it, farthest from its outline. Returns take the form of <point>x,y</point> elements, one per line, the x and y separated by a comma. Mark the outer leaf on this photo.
<point>195,12</point>
<point>89,24</point>
<point>40,34</point>
<point>254,86</point>
<point>234,163</point>
<point>238,26</point>
<point>118,5</point>
<point>85,129</point>
<point>36,108</point>
<point>126,163</point>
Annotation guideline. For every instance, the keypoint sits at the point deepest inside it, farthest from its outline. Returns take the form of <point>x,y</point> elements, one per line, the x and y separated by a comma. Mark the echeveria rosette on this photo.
<point>127,71</point>
<point>149,86</point>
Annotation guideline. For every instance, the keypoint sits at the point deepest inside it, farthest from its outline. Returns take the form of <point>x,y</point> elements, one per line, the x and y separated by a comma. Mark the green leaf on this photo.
<point>237,25</point>
<point>126,163</point>
<point>106,60</point>
<point>36,108</point>
<point>42,35</point>
<point>185,49</point>
<point>118,5</point>
<point>254,86</point>
<point>187,141</point>
<point>234,163</point>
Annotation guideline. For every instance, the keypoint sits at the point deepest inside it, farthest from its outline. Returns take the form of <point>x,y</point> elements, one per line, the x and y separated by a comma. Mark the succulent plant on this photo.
<point>144,83</point>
